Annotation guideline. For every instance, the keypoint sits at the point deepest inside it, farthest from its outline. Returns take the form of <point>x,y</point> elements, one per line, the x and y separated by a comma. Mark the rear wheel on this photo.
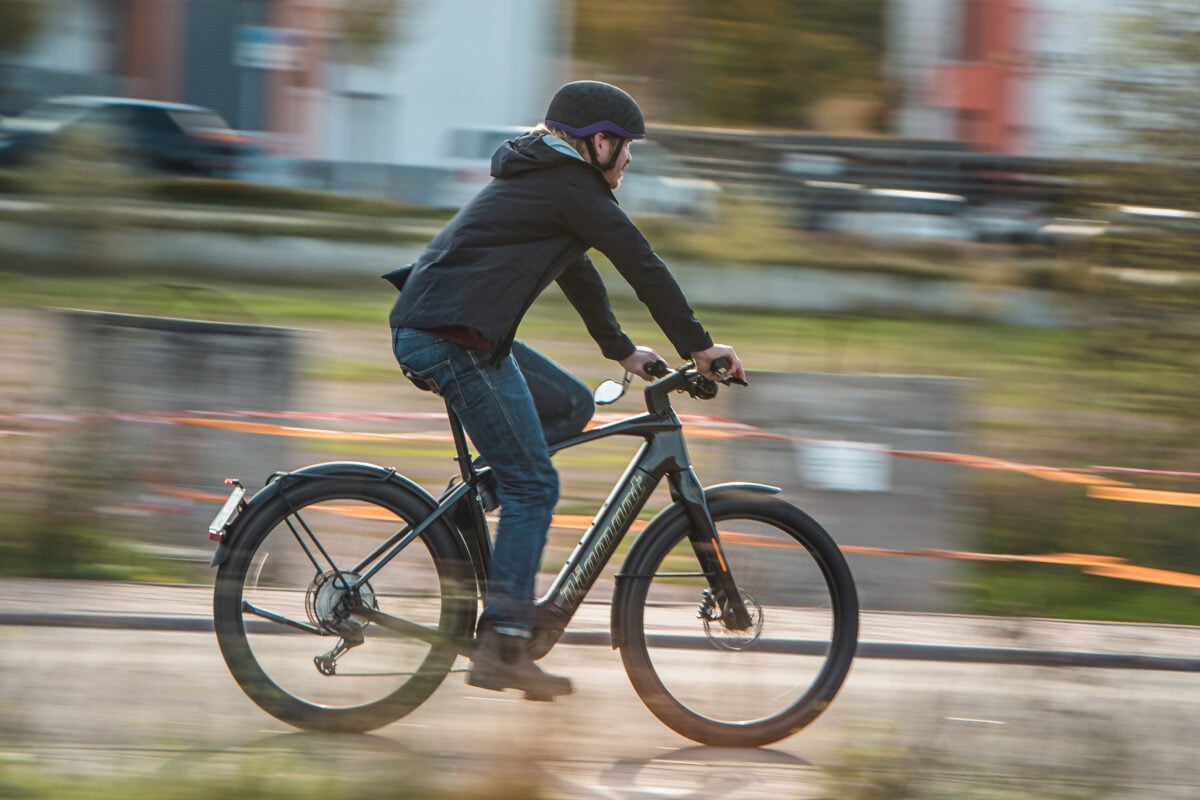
<point>286,600</point>
<point>746,687</point>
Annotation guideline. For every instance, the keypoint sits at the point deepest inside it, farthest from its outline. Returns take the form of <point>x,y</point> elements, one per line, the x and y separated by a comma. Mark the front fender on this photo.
<point>635,562</point>
<point>329,469</point>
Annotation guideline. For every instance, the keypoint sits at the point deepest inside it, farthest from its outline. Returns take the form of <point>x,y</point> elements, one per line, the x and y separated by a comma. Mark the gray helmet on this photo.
<point>583,108</point>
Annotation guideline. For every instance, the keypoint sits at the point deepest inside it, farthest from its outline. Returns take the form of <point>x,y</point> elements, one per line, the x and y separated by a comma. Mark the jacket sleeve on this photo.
<point>584,288</point>
<point>596,218</point>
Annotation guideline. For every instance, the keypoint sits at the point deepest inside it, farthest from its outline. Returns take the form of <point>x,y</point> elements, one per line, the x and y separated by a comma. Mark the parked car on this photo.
<point>654,183</point>
<point>161,137</point>
<point>898,214</point>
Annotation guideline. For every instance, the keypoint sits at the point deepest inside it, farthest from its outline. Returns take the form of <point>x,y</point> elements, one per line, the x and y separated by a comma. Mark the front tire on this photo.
<point>740,688</point>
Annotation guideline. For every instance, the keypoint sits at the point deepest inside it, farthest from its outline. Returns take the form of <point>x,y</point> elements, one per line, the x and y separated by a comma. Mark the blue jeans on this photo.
<point>510,412</point>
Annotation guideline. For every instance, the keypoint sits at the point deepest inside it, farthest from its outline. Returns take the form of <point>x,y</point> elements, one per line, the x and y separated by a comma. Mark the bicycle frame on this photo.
<point>663,454</point>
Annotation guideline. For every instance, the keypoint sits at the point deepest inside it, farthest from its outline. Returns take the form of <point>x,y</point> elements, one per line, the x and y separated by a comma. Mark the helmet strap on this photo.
<point>612,161</point>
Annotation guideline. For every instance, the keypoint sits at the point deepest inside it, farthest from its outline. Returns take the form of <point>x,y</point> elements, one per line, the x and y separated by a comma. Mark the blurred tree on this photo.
<point>1149,97</point>
<point>20,20</point>
<point>364,27</point>
<point>750,63</point>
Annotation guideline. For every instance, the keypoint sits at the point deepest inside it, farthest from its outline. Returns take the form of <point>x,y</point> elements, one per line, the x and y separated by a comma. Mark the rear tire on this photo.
<point>287,671</point>
<point>748,688</point>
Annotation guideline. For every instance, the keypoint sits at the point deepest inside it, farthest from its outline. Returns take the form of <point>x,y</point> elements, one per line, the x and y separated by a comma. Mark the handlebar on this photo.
<point>683,379</point>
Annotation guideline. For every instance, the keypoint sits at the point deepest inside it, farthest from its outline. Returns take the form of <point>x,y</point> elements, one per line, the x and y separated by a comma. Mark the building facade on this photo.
<point>1015,77</point>
<point>283,69</point>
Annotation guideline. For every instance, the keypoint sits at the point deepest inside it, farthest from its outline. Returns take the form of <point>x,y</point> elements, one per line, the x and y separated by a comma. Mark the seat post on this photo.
<point>462,452</point>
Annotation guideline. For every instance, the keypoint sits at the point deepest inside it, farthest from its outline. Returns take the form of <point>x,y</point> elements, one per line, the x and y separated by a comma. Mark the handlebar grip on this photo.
<point>719,365</point>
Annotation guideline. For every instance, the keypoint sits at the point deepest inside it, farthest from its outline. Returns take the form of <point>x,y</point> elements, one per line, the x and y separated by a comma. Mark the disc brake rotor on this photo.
<point>725,639</point>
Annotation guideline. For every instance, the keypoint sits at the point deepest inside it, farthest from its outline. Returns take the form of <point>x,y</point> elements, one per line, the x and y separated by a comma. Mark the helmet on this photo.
<point>583,108</point>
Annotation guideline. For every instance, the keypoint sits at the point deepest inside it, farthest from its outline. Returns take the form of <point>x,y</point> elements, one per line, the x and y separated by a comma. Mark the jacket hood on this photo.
<point>526,153</point>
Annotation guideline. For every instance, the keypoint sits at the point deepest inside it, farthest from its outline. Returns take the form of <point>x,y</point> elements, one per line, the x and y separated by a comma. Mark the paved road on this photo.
<point>127,678</point>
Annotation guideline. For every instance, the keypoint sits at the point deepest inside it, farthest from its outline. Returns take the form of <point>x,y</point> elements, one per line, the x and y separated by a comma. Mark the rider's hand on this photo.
<point>704,359</point>
<point>636,362</point>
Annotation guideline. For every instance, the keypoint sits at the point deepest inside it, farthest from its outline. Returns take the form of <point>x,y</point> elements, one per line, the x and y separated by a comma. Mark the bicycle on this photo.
<point>735,613</point>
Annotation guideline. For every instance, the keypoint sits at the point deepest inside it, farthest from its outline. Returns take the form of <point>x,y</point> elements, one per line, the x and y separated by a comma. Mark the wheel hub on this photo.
<point>330,602</point>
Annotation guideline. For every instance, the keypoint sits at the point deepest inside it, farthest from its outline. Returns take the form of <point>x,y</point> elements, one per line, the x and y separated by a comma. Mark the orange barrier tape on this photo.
<point>697,426</point>
<point>1157,497</point>
<point>1131,572</point>
<point>982,462</point>
<point>1102,566</point>
<point>263,428</point>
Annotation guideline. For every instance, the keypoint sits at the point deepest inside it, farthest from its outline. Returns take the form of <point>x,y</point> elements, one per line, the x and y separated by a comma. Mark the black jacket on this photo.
<point>530,226</point>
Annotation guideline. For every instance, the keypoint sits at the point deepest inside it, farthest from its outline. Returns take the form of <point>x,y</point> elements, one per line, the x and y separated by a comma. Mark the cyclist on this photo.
<point>454,323</point>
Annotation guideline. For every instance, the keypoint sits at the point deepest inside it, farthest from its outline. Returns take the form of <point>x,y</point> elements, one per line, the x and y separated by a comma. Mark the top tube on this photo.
<point>660,416</point>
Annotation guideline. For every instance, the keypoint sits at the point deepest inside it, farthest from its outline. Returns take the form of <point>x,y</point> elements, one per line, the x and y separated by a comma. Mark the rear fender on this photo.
<point>331,469</point>
<point>637,562</point>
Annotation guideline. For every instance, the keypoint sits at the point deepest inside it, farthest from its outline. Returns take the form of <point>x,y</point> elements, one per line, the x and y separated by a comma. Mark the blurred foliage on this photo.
<point>1149,96</point>
<point>79,178</point>
<point>751,63</point>
<point>239,194</point>
<point>364,27</point>
<point>20,21</point>
<point>1148,307</point>
<point>1022,516</point>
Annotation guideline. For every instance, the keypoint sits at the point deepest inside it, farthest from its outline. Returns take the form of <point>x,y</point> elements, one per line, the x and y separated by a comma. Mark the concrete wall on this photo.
<point>127,363</point>
<point>836,467</point>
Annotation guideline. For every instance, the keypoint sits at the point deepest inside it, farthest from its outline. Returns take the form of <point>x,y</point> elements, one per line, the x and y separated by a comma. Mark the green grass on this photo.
<point>1032,590</point>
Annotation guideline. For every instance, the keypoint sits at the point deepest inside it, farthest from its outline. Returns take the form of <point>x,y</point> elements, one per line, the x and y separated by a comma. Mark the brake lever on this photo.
<point>703,388</point>
<point>720,366</point>
<point>657,369</point>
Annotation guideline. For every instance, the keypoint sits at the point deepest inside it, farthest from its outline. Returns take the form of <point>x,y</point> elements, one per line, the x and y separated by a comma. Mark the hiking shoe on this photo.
<point>502,662</point>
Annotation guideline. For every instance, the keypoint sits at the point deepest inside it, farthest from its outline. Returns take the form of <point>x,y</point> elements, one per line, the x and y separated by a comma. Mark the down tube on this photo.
<point>600,540</point>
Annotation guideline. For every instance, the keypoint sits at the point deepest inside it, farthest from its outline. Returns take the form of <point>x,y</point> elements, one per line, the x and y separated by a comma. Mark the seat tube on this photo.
<point>707,545</point>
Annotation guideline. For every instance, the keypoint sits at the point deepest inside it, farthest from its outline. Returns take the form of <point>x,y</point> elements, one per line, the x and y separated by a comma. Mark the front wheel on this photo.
<point>760,684</point>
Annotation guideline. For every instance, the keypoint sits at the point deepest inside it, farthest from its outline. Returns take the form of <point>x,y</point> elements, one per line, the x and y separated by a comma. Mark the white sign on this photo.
<point>845,466</point>
<point>262,47</point>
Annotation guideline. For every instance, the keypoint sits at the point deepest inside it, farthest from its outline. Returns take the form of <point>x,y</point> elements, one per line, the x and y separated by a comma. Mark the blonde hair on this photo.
<point>579,144</point>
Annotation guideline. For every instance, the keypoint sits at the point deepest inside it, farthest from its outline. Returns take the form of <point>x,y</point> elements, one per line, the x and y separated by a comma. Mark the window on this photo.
<point>973,31</point>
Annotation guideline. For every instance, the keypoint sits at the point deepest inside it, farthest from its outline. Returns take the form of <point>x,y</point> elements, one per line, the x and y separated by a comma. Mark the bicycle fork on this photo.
<point>723,601</point>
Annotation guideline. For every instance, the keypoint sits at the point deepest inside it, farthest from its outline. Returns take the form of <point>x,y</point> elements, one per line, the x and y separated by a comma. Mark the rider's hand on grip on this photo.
<point>720,366</point>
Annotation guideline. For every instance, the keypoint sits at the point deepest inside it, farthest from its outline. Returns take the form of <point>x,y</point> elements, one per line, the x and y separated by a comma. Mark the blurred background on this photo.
<point>954,239</point>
